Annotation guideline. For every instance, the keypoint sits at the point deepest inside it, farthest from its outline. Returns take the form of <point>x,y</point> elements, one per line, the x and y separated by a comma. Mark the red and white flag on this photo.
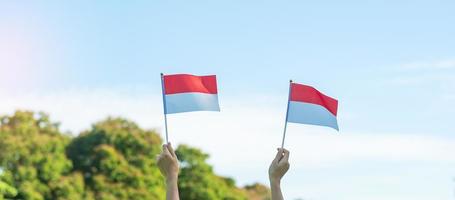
<point>309,106</point>
<point>187,93</point>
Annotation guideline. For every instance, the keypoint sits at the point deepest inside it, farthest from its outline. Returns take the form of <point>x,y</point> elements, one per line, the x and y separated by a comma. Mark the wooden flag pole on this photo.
<point>287,110</point>
<point>164,106</point>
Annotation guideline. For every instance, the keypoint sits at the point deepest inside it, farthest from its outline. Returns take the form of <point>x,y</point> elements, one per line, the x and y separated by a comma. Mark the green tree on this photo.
<point>32,156</point>
<point>117,159</point>
<point>258,191</point>
<point>197,181</point>
<point>7,191</point>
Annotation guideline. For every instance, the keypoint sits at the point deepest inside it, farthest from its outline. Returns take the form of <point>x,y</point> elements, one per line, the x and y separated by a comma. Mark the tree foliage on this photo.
<point>32,156</point>
<point>198,181</point>
<point>6,190</point>
<point>114,159</point>
<point>258,191</point>
<point>118,161</point>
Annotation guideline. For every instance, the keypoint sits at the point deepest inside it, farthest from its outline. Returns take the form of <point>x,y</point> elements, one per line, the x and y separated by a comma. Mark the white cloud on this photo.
<point>249,127</point>
<point>439,72</point>
<point>77,110</point>
<point>432,65</point>
<point>243,137</point>
<point>437,75</point>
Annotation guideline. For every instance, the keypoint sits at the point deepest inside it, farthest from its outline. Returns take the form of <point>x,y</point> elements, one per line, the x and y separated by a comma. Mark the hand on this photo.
<point>168,163</point>
<point>279,166</point>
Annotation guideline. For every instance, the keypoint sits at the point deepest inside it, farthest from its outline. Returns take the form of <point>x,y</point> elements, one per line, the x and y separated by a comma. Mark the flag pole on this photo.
<point>164,106</point>
<point>287,110</point>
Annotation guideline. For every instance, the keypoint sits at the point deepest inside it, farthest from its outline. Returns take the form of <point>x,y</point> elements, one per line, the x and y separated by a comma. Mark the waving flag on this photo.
<point>309,106</point>
<point>187,93</point>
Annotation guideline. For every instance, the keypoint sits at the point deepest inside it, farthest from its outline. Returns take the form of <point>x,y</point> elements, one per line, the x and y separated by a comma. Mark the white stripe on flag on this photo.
<point>192,101</point>
<point>308,113</point>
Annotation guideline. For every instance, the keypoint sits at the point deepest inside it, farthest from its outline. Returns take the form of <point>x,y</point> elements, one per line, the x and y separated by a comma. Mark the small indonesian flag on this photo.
<point>309,106</point>
<point>187,93</point>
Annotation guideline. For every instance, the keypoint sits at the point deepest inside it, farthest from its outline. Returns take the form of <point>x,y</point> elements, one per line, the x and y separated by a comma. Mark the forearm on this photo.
<point>276,190</point>
<point>172,190</point>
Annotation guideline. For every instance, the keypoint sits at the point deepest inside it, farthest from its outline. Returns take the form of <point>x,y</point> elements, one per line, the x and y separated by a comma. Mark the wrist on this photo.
<point>275,182</point>
<point>172,178</point>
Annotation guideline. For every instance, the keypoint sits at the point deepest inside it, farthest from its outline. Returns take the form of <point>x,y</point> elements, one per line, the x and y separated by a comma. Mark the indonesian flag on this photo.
<point>309,106</point>
<point>187,93</point>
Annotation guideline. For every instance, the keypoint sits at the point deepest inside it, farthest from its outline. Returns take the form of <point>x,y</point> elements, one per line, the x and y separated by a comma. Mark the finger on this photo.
<point>166,150</point>
<point>278,156</point>
<point>286,155</point>
<point>171,150</point>
<point>164,147</point>
<point>158,158</point>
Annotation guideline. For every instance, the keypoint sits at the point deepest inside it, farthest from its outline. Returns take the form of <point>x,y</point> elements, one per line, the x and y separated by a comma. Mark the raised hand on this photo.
<point>277,169</point>
<point>169,166</point>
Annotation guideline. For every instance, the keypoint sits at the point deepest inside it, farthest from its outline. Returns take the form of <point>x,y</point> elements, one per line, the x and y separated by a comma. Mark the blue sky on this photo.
<point>391,64</point>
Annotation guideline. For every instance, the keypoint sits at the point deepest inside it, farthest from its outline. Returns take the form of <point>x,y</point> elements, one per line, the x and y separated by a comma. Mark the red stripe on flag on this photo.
<point>308,94</point>
<point>182,83</point>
